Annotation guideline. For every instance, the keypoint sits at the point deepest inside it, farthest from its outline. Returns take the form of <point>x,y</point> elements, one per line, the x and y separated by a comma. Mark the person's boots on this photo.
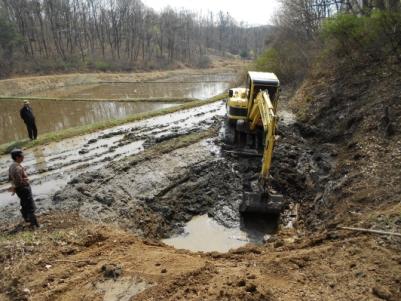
<point>34,221</point>
<point>24,216</point>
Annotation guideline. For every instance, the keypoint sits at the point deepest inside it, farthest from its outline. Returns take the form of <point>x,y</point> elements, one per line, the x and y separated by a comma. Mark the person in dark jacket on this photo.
<point>29,119</point>
<point>20,185</point>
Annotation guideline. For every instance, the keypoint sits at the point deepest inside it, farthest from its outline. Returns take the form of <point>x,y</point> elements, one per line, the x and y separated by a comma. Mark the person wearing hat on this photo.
<point>20,186</point>
<point>29,119</point>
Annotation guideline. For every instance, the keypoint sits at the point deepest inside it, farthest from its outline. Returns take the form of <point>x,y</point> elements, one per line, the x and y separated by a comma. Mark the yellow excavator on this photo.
<point>251,122</point>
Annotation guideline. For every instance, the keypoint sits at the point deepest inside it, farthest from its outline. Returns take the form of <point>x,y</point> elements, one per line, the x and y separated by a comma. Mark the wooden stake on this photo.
<point>371,231</point>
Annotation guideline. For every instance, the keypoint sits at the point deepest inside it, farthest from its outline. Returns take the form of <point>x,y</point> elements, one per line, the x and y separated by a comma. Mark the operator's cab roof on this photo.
<point>264,78</point>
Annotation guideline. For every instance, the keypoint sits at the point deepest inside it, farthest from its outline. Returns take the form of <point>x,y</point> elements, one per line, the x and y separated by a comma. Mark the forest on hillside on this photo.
<point>341,33</point>
<point>52,35</point>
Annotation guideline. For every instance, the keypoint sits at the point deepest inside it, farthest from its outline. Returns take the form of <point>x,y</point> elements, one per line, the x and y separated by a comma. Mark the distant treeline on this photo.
<point>47,35</point>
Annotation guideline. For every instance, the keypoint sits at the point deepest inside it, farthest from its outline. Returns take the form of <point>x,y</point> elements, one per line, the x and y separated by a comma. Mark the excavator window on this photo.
<point>270,89</point>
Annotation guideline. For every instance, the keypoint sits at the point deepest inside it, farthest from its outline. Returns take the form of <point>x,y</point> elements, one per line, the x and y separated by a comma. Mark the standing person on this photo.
<point>20,186</point>
<point>29,119</point>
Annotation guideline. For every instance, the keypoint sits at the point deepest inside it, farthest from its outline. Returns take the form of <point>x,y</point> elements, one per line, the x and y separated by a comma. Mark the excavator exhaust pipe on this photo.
<point>264,203</point>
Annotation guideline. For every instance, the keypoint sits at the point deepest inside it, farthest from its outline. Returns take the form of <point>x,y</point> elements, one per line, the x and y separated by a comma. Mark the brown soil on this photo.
<point>72,259</point>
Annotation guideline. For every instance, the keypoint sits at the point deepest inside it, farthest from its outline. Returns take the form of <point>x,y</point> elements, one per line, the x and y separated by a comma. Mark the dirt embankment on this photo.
<point>73,259</point>
<point>357,117</point>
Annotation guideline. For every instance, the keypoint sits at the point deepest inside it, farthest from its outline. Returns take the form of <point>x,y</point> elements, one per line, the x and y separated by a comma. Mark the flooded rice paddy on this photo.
<point>54,116</point>
<point>192,86</point>
<point>58,115</point>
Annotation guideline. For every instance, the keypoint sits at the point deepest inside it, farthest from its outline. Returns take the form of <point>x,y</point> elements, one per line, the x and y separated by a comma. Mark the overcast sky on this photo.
<point>253,12</point>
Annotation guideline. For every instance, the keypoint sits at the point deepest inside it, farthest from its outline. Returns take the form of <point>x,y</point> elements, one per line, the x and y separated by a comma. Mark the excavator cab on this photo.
<point>241,100</point>
<point>252,120</point>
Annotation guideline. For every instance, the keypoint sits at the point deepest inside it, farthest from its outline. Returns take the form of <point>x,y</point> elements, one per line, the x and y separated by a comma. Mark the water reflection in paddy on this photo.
<point>58,115</point>
<point>200,87</point>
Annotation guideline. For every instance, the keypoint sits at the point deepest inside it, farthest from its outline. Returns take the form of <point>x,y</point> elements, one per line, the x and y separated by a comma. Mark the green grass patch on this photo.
<point>90,128</point>
<point>27,237</point>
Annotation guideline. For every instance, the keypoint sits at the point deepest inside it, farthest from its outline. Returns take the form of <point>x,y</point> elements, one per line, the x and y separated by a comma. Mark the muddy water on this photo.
<point>192,86</point>
<point>57,115</point>
<point>204,234</point>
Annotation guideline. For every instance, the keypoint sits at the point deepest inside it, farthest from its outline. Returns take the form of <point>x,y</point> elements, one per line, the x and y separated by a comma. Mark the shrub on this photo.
<point>376,36</point>
<point>285,60</point>
<point>268,61</point>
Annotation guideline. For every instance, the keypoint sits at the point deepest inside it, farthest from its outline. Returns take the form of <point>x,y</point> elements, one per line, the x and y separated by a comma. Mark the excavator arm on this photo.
<point>262,110</point>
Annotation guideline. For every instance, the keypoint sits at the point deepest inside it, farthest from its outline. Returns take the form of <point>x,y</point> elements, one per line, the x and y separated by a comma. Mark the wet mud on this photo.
<point>157,197</point>
<point>50,167</point>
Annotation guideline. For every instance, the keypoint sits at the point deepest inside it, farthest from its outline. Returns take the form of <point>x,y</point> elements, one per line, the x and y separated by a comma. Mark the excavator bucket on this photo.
<point>263,203</point>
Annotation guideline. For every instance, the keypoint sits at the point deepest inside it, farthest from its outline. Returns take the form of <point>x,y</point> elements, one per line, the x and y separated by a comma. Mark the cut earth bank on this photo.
<point>102,241</point>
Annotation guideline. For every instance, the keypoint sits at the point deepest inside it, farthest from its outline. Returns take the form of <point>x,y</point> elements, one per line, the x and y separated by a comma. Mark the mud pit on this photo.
<point>156,197</point>
<point>163,191</point>
<point>50,167</point>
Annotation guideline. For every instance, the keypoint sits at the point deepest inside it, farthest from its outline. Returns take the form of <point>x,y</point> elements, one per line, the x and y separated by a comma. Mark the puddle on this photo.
<point>57,115</point>
<point>204,234</point>
<point>287,117</point>
<point>121,289</point>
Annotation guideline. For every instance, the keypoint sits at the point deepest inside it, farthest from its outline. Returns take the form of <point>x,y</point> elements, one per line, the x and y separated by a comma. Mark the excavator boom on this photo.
<point>263,110</point>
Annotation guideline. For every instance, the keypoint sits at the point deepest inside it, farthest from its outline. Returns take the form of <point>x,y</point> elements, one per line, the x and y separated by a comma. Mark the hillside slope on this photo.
<point>356,115</point>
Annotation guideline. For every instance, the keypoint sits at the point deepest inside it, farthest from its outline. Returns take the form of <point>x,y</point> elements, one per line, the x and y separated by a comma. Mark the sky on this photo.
<point>253,12</point>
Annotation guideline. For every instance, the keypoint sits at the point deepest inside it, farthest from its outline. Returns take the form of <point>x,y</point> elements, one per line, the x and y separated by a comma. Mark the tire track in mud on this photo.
<point>52,166</point>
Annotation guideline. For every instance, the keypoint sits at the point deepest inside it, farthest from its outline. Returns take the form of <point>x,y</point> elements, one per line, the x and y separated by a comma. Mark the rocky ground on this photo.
<point>101,240</point>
